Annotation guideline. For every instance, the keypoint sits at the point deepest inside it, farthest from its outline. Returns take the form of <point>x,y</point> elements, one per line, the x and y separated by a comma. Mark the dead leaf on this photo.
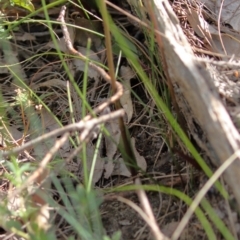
<point>230,40</point>
<point>99,166</point>
<point>109,167</point>
<point>230,43</point>
<point>83,33</point>
<point>229,9</point>
<point>15,134</point>
<point>80,64</point>
<point>61,42</point>
<point>49,123</point>
<point>3,68</point>
<point>25,37</point>
<point>62,89</point>
<point>141,162</point>
<point>111,145</point>
<point>126,101</point>
<point>210,4</point>
<point>169,228</point>
<point>199,25</point>
<point>202,28</point>
<point>121,168</point>
<point>230,12</point>
<point>112,141</point>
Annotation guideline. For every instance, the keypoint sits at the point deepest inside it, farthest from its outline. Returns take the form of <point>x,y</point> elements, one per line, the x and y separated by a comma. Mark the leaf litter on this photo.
<point>53,90</point>
<point>112,164</point>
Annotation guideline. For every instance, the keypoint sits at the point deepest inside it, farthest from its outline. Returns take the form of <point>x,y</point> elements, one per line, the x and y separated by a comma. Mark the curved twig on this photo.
<point>101,71</point>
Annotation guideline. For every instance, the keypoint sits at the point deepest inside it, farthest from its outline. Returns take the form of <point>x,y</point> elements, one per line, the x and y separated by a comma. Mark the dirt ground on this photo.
<point>168,210</point>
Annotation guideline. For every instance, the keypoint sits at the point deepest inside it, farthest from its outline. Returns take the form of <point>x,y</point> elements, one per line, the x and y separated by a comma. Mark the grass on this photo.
<point>78,205</point>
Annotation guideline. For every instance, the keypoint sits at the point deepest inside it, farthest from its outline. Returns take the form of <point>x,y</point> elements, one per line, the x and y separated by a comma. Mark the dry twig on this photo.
<point>101,71</point>
<point>86,124</point>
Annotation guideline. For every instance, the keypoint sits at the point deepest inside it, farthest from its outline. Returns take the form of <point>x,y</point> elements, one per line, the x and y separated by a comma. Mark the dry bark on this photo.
<point>197,87</point>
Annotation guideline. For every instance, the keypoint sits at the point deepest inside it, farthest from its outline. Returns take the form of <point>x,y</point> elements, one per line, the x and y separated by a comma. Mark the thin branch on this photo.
<point>142,196</point>
<point>43,164</point>
<point>41,172</point>
<point>90,124</point>
<point>84,124</point>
